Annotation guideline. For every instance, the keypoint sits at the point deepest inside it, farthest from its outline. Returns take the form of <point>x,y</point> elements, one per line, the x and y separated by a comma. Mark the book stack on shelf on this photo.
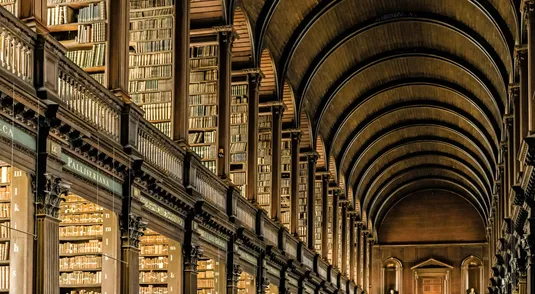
<point>339,235</point>
<point>264,160</point>
<point>318,209</point>
<point>151,60</point>
<point>207,277</point>
<point>153,263</point>
<point>81,26</point>
<point>5,218</point>
<point>10,5</point>
<point>81,245</point>
<point>246,283</point>
<point>302,191</point>
<point>239,117</point>
<point>203,102</point>
<point>330,226</point>
<point>286,179</point>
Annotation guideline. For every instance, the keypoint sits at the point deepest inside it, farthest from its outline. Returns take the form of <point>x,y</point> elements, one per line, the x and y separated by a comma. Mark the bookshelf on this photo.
<point>88,238</point>
<point>81,26</point>
<point>209,277</point>
<point>348,246</point>
<point>330,226</point>
<point>246,283</point>
<point>339,235</point>
<point>265,121</point>
<point>272,289</point>
<point>239,118</point>
<point>286,180</point>
<point>159,264</point>
<point>302,200</point>
<point>11,6</point>
<point>318,209</point>
<point>203,100</point>
<point>151,60</point>
<point>5,222</point>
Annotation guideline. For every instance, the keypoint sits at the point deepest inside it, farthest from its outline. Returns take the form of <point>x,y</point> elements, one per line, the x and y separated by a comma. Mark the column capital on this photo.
<point>132,231</point>
<point>520,52</point>
<point>527,7</point>
<point>192,254</point>
<point>296,135</point>
<point>312,157</point>
<point>228,33</point>
<point>278,109</point>
<point>236,272</point>
<point>49,198</point>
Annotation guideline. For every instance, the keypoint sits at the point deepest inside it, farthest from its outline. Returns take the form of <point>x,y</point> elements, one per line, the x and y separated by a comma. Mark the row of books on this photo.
<point>60,15</point>
<point>150,59</point>
<point>99,77</point>
<point>210,165</point>
<point>201,63</point>
<point>151,35</point>
<point>203,122</point>
<point>238,178</point>
<point>85,262</point>
<point>154,239</point>
<point>4,251</point>
<point>202,137</point>
<point>91,33</point>
<point>154,249</point>
<point>200,76</point>
<point>202,110</point>
<point>80,277</point>
<point>203,51</point>
<point>239,91</point>
<point>4,277</point>
<point>153,277</point>
<point>90,208</point>
<point>142,4</point>
<point>5,230</point>
<point>5,174</point>
<point>93,246</point>
<point>264,198</point>
<point>160,111</point>
<point>205,152</point>
<point>149,72</point>
<point>151,85</point>
<point>238,118</point>
<point>80,231</point>
<point>151,97</point>
<point>54,2</point>
<point>238,157</point>
<point>5,194</point>
<point>237,137</point>
<point>82,218</point>
<point>205,283</point>
<point>202,99</point>
<point>89,58</point>
<point>150,13</point>
<point>93,12</point>
<point>151,24</point>
<point>153,290</point>
<point>160,262</point>
<point>239,109</point>
<point>153,46</point>
<point>164,127</point>
<point>238,147</point>
<point>208,87</point>
<point>5,210</point>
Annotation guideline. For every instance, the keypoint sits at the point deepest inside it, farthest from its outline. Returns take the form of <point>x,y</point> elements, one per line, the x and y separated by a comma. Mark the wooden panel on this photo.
<point>206,9</point>
<point>320,149</point>
<point>289,102</point>
<point>306,132</point>
<point>242,47</point>
<point>268,84</point>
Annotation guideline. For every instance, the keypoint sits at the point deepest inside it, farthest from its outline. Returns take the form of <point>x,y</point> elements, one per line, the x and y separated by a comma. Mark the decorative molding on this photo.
<point>48,200</point>
<point>132,231</point>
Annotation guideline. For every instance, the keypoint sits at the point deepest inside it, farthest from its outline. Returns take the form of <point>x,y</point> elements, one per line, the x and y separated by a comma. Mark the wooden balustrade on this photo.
<point>87,98</point>
<point>210,187</point>
<point>246,213</point>
<point>17,44</point>
<point>159,150</point>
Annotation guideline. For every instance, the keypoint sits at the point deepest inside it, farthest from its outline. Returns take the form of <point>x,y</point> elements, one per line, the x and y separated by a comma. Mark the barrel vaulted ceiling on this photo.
<point>406,95</point>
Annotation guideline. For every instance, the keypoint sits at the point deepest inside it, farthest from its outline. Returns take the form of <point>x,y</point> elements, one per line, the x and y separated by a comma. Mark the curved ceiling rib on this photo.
<point>408,95</point>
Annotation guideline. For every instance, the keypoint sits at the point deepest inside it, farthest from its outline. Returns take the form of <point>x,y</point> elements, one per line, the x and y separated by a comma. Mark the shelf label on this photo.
<point>10,131</point>
<point>91,174</point>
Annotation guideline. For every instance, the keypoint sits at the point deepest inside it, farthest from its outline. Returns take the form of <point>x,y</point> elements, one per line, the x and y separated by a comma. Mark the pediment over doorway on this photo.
<point>432,263</point>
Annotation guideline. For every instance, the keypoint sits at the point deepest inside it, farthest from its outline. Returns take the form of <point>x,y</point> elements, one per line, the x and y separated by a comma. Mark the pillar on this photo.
<point>345,223</point>
<point>252,137</point>
<point>336,194</point>
<point>226,38</point>
<point>528,10</point>
<point>118,47</point>
<point>294,200</point>
<point>352,252</point>
<point>277,110</point>
<point>233,270</point>
<point>530,251</point>
<point>192,254</point>
<point>363,253</point>
<point>181,72</point>
<point>48,193</point>
<point>312,159</point>
<point>324,215</point>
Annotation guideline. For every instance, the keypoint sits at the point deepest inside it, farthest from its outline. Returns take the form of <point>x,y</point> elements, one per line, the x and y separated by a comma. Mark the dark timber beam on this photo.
<point>435,19</point>
<point>261,27</point>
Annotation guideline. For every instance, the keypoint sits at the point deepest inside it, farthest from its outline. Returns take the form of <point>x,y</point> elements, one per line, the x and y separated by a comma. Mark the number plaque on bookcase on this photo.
<point>318,209</point>
<point>286,179</point>
<point>239,118</point>
<point>151,60</point>
<point>265,120</point>
<point>81,26</point>
<point>302,199</point>
<point>159,264</point>
<point>88,238</point>
<point>203,99</point>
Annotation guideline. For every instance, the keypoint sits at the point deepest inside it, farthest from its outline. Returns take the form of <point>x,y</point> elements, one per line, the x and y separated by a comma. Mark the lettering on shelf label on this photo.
<point>17,173</point>
<point>17,207</point>
<point>16,191</point>
<point>15,247</point>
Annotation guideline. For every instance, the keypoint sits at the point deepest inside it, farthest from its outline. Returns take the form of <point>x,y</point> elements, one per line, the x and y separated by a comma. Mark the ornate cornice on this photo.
<point>49,198</point>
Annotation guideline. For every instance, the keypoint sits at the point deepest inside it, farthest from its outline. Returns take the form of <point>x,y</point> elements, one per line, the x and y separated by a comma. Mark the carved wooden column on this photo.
<point>261,276</point>
<point>294,200</point>
<point>324,215</point>
<point>363,254</point>
<point>233,269</point>
<point>345,223</point>
<point>181,72</point>
<point>252,137</point>
<point>278,110</point>
<point>528,8</point>
<point>368,245</point>
<point>192,253</point>
<point>336,195</point>
<point>352,250</point>
<point>529,245</point>
<point>132,228</point>
<point>226,38</point>
<point>49,190</point>
<point>521,58</point>
<point>312,159</point>
<point>118,44</point>
<point>515,131</point>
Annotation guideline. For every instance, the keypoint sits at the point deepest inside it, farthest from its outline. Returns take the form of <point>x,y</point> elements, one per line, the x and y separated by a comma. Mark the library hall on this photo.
<point>267,146</point>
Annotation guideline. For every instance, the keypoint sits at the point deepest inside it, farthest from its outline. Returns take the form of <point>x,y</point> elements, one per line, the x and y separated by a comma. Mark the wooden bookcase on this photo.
<point>339,236</point>
<point>246,283</point>
<point>348,229</point>
<point>11,6</point>
<point>330,226</point>
<point>318,209</point>
<point>239,118</point>
<point>210,277</point>
<point>151,60</point>
<point>81,26</point>
<point>272,289</point>
<point>204,99</point>
<point>286,181</point>
<point>88,246</point>
<point>265,148</point>
<point>5,223</point>
<point>302,191</point>
<point>159,264</point>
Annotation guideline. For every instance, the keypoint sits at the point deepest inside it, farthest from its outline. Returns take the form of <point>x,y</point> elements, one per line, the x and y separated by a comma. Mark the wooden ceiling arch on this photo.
<point>288,98</point>
<point>377,81</point>
<point>322,157</point>
<point>305,143</point>
<point>242,48</point>
<point>269,82</point>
